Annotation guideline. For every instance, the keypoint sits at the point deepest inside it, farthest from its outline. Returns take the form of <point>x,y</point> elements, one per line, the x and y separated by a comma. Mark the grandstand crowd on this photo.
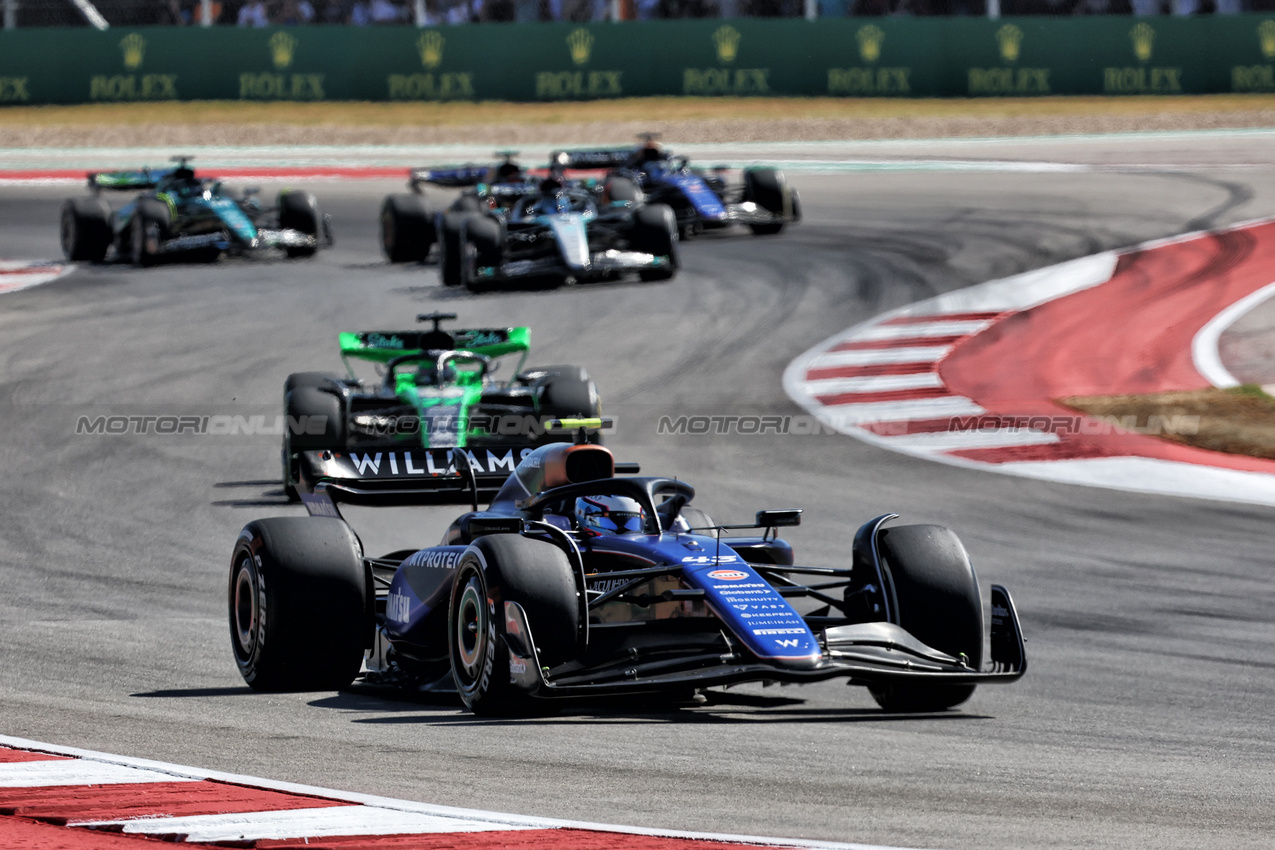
<point>261,13</point>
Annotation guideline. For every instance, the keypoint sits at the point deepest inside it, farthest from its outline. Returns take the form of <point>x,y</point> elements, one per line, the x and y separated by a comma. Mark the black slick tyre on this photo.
<point>407,228</point>
<point>568,392</point>
<point>483,244</point>
<point>313,420</point>
<point>308,379</point>
<point>450,247</point>
<point>86,229</point>
<point>621,189</point>
<point>148,230</point>
<point>496,570</point>
<point>299,211</point>
<point>767,188</point>
<point>298,604</point>
<point>934,589</point>
<point>655,232</point>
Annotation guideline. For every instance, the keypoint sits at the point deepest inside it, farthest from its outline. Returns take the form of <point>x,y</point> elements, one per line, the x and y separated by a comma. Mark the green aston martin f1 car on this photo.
<point>436,394</point>
<point>181,215</point>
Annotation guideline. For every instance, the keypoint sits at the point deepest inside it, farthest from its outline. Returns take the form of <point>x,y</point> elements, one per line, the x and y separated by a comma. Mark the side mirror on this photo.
<point>778,519</point>
<point>479,526</point>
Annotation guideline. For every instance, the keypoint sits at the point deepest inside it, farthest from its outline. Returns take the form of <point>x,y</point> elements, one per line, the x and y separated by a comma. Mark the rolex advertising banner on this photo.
<point>846,57</point>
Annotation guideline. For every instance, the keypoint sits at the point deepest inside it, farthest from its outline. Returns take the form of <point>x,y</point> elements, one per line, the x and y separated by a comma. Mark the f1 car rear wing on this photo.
<point>450,176</point>
<point>125,181</point>
<point>399,477</point>
<point>591,158</point>
<point>383,346</point>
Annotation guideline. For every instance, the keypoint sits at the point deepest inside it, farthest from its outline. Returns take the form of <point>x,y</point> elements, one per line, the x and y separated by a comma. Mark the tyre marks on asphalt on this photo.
<point>974,377</point>
<point>91,800</point>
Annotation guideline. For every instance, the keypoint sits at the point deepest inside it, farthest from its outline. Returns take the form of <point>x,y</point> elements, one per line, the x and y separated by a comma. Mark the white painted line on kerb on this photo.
<point>923,329</point>
<point>33,774</point>
<point>881,356</point>
<point>843,416</point>
<point>298,823</point>
<point>172,772</point>
<point>1204,347</point>
<point>951,441</point>
<point>874,383</point>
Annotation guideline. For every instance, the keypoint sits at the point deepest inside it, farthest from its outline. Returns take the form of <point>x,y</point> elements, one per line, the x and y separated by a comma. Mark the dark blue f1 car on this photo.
<point>578,582</point>
<point>700,199</point>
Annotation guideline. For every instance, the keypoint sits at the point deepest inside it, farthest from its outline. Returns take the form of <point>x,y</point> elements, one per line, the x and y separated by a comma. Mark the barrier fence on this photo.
<point>853,57</point>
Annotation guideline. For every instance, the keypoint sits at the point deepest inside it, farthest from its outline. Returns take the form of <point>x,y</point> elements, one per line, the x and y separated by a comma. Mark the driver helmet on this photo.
<point>508,172</point>
<point>428,375</point>
<point>598,515</point>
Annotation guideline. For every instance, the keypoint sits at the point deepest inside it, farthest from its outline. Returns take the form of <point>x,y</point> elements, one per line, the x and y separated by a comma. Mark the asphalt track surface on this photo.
<point>1144,720</point>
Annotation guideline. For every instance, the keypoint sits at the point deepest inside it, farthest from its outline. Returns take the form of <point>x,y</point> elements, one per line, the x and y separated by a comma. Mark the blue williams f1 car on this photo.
<point>578,582</point>
<point>701,200</point>
<point>179,214</point>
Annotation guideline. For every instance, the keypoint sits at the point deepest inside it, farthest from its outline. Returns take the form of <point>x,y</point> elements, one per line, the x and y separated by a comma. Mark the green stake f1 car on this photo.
<point>436,394</point>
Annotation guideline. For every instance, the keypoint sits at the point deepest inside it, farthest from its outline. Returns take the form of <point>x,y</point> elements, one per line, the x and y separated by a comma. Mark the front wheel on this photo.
<point>148,229</point>
<point>935,592</point>
<point>407,228</point>
<point>299,211</point>
<point>494,572</point>
<point>298,604</point>
<point>767,188</point>
<point>86,229</point>
<point>655,232</point>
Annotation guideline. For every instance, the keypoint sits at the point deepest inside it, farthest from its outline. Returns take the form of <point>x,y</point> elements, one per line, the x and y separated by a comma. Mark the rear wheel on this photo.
<point>299,211</point>
<point>483,248</point>
<point>148,230</point>
<point>407,228</point>
<point>495,571</point>
<point>933,586</point>
<point>622,189</point>
<point>767,188</point>
<point>86,229</point>
<point>655,232</point>
<point>298,604</point>
<point>569,393</point>
<point>314,420</point>
<point>450,247</point>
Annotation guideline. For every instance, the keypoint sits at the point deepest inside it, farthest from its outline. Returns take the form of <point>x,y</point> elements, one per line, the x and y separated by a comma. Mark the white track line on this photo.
<point>1204,348</point>
<point>297,823</point>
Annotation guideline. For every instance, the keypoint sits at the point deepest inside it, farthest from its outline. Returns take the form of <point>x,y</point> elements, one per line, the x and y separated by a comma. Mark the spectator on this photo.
<point>253,14</point>
<point>171,13</point>
<point>214,13</point>
<point>333,13</point>
<point>360,14</point>
<point>296,12</point>
<point>385,12</point>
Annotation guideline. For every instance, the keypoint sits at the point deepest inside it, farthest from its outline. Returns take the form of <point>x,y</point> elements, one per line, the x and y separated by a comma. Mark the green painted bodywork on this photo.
<point>459,394</point>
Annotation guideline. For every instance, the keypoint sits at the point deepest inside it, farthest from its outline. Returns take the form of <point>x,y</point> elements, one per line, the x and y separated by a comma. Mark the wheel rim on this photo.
<point>471,630</point>
<point>245,607</point>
